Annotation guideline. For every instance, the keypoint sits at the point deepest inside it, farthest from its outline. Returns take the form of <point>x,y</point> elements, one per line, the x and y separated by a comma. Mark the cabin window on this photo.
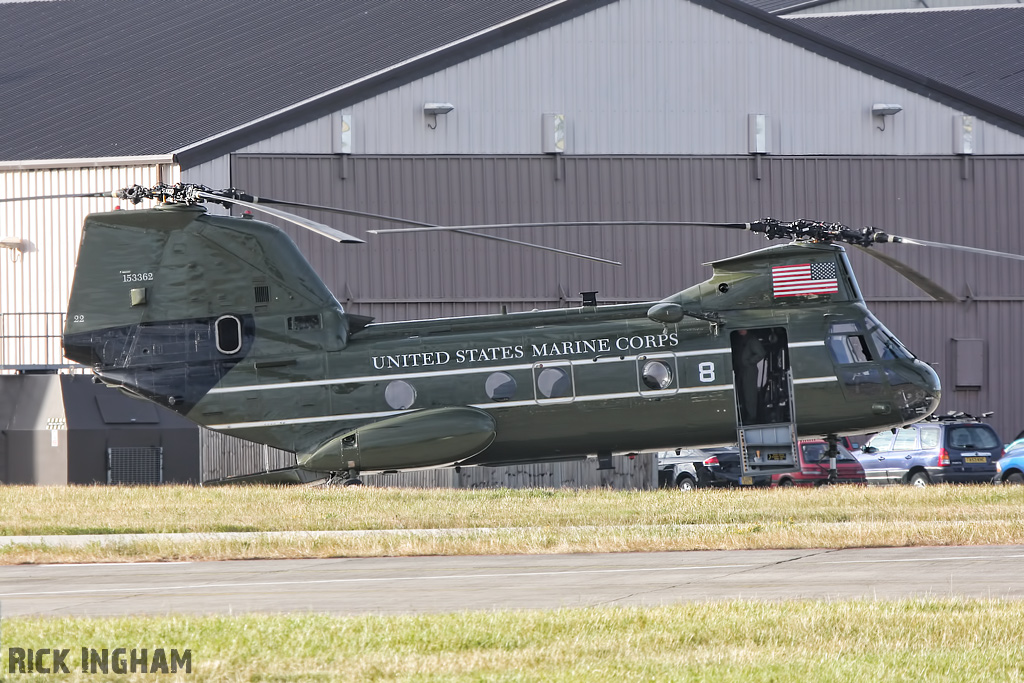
<point>500,386</point>
<point>657,374</point>
<point>554,383</point>
<point>400,395</point>
<point>304,322</point>
<point>228,332</point>
<point>849,348</point>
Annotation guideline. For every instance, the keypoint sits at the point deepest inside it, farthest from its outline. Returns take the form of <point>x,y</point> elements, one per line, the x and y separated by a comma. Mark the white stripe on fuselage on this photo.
<point>461,371</point>
<point>349,417</point>
<point>504,404</point>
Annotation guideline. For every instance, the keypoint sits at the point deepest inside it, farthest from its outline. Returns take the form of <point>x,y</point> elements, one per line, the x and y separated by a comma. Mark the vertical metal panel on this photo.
<point>639,472</point>
<point>969,363</point>
<point>647,77</point>
<point>435,275</point>
<point>222,456</point>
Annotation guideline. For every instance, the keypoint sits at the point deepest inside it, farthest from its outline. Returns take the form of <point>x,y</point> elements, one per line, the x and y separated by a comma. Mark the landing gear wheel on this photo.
<point>920,480</point>
<point>353,481</point>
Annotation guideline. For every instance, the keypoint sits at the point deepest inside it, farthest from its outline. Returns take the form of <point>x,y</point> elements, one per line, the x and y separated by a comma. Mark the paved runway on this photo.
<point>444,584</point>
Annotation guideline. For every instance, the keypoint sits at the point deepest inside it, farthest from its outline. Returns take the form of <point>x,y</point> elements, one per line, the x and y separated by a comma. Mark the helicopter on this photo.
<point>222,320</point>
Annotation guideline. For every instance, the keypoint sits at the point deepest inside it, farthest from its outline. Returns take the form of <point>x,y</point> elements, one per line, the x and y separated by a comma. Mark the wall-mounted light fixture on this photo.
<point>553,133</point>
<point>963,134</point>
<point>884,110</point>
<point>341,141</point>
<point>757,133</point>
<point>433,109</point>
<point>341,134</point>
<point>16,244</point>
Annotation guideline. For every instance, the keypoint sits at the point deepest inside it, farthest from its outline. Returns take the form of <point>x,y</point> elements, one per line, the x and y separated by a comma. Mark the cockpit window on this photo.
<point>888,345</point>
<point>847,344</point>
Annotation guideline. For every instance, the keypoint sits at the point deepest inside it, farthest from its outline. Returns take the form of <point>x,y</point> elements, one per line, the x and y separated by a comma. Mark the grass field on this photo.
<point>500,521</point>
<point>739,641</point>
<point>857,641</point>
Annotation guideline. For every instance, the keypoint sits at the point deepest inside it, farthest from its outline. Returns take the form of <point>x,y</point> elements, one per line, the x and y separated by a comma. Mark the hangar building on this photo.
<point>528,110</point>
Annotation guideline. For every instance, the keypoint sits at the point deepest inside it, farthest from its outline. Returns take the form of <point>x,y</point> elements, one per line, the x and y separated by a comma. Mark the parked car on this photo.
<point>723,467</point>
<point>1010,468</point>
<point>1016,443</point>
<point>814,467</point>
<point>951,448</point>
<point>683,469</point>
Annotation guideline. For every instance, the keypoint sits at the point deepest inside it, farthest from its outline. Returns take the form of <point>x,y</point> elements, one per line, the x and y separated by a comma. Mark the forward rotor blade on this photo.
<point>540,246</point>
<point>325,230</point>
<point>930,287</point>
<point>108,194</point>
<point>960,247</point>
<point>559,224</point>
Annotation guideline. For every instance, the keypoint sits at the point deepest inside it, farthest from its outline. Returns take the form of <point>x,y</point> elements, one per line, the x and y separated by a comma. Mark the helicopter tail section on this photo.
<point>166,302</point>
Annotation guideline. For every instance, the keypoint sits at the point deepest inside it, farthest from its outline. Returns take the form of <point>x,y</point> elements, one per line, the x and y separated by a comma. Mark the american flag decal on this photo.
<point>804,279</point>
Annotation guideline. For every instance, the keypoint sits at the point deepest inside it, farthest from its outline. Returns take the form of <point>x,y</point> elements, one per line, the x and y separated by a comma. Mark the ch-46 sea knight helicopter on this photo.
<point>222,320</point>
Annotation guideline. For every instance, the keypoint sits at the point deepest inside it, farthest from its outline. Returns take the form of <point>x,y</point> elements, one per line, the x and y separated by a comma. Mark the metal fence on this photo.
<point>32,341</point>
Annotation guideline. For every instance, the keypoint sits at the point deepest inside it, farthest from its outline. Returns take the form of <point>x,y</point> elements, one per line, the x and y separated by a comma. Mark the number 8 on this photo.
<point>707,372</point>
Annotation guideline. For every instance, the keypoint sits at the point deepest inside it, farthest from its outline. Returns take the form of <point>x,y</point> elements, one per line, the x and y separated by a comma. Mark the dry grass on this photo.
<point>907,640</point>
<point>501,521</point>
<point>105,510</point>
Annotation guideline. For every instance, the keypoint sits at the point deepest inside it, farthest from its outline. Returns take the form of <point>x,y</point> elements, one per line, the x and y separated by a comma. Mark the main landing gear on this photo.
<point>833,452</point>
<point>344,478</point>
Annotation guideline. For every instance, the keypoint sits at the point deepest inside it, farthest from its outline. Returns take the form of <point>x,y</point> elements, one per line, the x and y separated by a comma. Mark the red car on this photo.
<point>814,467</point>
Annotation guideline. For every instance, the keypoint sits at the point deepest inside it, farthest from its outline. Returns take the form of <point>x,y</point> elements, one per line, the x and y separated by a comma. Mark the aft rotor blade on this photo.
<point>325,230</point>
<point>560,224</point>
<point>421,224</point>
<point>930,287</point>
<point>344,212</point>
<point>960,247</point>
<point>77,195</point>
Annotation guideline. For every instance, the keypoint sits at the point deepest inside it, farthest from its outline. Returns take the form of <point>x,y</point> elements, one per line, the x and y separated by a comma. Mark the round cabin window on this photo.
<point>657,374</point>
<point>500,386</point>
<point>400,395</point>
<point>554,383</point>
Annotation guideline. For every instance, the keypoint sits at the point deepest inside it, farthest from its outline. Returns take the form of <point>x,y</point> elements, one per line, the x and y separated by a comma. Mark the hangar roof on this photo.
<point>973,49</point>
<point>105,78</point>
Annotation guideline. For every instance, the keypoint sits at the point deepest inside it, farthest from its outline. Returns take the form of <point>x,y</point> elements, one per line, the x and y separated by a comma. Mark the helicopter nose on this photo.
<point>933,387</point>
<point>922,402</point>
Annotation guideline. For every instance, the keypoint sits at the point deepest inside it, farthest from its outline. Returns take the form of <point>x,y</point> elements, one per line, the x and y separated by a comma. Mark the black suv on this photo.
<point>956,448</point>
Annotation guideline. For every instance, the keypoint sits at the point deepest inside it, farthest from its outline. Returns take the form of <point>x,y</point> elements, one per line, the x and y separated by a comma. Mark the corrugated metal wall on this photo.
<point>647,77</point>
<point>223,457</point>
<point>976,202</point>
<point>35,283</point>
<point>639,472</point>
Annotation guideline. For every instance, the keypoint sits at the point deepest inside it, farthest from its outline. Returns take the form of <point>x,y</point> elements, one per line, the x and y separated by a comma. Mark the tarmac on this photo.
<point>415,585</point>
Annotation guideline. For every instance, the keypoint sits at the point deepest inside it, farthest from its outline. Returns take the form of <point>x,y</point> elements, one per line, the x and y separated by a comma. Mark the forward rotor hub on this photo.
<point>815,231</point>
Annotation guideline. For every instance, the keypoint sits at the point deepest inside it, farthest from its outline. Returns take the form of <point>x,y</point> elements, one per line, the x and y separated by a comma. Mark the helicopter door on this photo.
<point>765,414</point>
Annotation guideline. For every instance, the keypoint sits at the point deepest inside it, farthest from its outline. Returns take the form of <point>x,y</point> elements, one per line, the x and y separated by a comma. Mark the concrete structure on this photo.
<point>65,429</point>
